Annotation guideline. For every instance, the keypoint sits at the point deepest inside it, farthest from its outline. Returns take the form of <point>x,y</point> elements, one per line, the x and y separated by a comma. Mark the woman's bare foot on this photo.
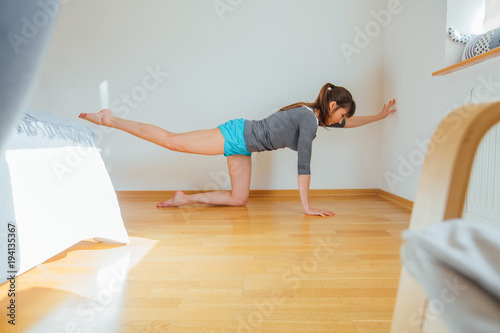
<point>178,199</point>
<point>103,117</point>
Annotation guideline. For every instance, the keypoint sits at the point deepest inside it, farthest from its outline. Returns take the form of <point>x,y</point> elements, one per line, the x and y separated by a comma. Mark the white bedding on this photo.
<point>457,263</point>
<point>55,192</point>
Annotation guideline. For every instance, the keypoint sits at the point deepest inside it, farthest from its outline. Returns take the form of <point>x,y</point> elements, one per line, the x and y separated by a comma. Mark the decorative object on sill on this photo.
<point>476,44</point>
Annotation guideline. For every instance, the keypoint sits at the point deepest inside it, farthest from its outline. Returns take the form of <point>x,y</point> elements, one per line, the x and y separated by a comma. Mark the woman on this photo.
<point>293,126</point>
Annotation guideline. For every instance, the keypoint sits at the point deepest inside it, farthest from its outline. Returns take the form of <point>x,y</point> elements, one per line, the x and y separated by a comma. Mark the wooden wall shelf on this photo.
<point>469,62</point>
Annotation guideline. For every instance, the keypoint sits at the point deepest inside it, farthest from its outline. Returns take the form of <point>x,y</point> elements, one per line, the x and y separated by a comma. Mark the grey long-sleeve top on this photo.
<point>293,128</point>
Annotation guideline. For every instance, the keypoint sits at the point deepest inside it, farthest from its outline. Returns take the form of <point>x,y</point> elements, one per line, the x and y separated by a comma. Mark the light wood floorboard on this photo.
<point>265,267</point>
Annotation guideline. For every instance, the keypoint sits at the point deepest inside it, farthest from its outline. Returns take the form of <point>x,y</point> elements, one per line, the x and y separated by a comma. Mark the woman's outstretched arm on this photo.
<point>364,120</point>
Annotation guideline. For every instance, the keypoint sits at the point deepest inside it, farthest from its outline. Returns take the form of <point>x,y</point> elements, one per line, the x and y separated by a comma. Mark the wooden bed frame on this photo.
<point>441,196</point>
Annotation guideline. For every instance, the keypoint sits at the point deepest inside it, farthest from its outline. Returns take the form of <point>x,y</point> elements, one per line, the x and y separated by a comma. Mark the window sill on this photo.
<point>469,62</point>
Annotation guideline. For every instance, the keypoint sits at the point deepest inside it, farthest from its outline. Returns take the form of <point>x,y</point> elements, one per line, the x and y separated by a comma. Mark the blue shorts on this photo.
<point>234,139</point>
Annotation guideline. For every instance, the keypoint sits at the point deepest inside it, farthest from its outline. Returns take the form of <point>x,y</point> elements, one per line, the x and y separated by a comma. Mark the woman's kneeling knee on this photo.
<point>239,201</point>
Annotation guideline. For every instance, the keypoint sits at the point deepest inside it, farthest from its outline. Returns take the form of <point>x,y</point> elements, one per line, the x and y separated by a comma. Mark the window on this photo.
<point>469,17</point>
<point>492,15</point>
<point>472,17</point>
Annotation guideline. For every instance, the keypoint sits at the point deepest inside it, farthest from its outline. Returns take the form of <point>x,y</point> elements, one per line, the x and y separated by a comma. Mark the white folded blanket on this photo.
<point>457,262</point>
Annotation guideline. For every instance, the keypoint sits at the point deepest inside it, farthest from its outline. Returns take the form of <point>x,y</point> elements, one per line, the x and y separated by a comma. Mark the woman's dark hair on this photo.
<point>329,93</point>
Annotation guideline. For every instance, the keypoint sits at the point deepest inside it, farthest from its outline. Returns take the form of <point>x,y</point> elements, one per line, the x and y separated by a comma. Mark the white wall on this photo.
<point>413,50</point>
<point>261,56</point>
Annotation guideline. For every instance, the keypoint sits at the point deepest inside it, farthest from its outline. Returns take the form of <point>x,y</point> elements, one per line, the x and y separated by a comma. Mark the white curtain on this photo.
<point>492,15</point>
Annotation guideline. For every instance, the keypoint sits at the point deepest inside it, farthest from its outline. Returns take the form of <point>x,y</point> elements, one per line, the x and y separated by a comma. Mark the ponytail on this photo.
<point>327,94</point>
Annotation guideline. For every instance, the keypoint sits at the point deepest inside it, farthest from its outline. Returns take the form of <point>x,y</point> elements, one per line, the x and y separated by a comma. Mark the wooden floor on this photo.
<point>265,267</point>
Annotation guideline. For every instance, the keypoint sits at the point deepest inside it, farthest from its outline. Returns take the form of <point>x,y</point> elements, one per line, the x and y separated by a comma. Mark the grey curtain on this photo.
<point>25,30</point>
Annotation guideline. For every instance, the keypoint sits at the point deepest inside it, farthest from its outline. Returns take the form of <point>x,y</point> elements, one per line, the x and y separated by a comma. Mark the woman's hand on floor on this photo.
<point>319,212</point>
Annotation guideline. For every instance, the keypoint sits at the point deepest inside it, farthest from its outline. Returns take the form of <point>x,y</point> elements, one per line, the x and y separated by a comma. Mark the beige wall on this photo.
<point>246,59</point>
<point>414,48</point>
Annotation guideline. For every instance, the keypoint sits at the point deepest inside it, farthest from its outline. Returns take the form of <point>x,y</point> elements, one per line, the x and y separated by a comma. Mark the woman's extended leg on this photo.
<point>204,142</point>
<point>240,171</point>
